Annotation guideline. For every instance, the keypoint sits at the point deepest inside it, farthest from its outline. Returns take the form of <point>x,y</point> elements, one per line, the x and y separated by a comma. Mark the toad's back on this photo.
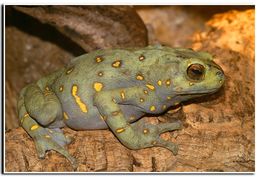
<point>99,71</point>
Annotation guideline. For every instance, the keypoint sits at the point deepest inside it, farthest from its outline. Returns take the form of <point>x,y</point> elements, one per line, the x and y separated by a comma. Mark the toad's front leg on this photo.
<point>133,136</point>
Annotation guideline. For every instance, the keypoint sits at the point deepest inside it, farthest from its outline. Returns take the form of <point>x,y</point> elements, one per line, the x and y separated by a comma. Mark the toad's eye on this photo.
<point>196,72</point>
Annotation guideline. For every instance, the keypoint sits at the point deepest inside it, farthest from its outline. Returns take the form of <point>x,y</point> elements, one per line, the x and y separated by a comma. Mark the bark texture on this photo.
<point>93,27</point>
<point>218,133</point>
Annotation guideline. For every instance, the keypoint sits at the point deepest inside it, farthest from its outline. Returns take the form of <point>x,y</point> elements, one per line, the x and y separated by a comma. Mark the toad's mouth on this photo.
<point>196,92</point>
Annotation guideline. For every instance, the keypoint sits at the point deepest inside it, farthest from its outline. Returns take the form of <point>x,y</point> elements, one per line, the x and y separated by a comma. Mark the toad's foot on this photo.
<point>53,139</point>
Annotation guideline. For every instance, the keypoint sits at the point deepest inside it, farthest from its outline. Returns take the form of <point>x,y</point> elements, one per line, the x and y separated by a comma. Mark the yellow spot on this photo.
<point>25,116</point>
<point>141,57</point>
<point>22,119</point>
<point>191,83</point>
<point>114,100</point>
<point>65,116</point>
<point>98,86</point>
<point>103,117</point>
<point>69,70</point>
<point>47,136</point>
<point>47,93</point>
<point>47,88</point>
<point>154,142</point>
<point>141,100</point>
<point>122,94</point>
<point>145,91</point>
<point>220,81</point>
<point>34,127</point>
<point>145,131</point>
<point>99,59</point>
<point>61,88</point>
<point>81,105</point>
<point>100,74</point>
<point>151,87</point>
<point>164,107</point>
<point>152,108</point>
<point>178,89</point>
<point>139,77</point>
<point>132,118</point>
<point>116,64</point>
<point>159,82</point>
<point>176,103</point>
<point>168,82</point>
<point>115,113</point>
<point>120,130</point>
<point>50,131</point>
<point>168,97</point>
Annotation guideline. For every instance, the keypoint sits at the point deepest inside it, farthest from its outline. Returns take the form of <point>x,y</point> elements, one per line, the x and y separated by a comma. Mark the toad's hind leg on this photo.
<point>37,109</point>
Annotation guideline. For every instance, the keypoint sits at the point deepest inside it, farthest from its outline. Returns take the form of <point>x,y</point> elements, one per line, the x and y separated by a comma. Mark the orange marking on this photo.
<point>34,127</point>
<point>99,59</point>
<point>69,70</point>
<point>100,74</point>
<point>145,131</point>
<point>141,57</point>
<point>152,108</point>
<point>122,94</point>
<point>61,88</point>
<point>115,113</point>
<point>176,103</point>
<point>65,116</point>
<point>120,130</point>
<point>98,86</point>
<point>104,118</point>
<point>139,77</point>
<point>132,118</point>
<point>116,64</point>
<point>168,82</point>
<point>151,87</point>
<point>164,107</point>
<point>114,100</point>
<point>81,105</point>
<point>25,116</point>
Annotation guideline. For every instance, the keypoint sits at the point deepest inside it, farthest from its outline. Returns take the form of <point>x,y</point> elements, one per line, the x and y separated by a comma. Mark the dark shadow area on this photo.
<point>45,32</point>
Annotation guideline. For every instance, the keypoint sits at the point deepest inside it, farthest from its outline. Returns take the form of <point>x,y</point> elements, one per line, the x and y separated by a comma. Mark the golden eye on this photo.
<point>196,72</point>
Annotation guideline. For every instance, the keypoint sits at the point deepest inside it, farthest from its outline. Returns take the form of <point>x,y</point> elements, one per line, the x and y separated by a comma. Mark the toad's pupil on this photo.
<point>195,72</point>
